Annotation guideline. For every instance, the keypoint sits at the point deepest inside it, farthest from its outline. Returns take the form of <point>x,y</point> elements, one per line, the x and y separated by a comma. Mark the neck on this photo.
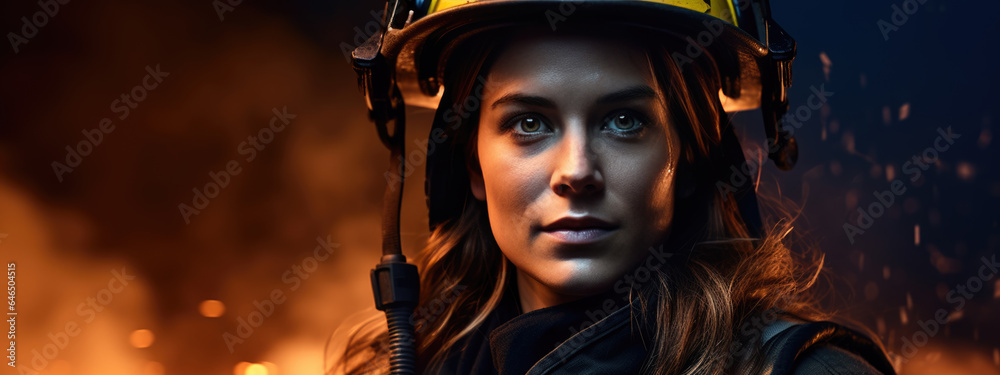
<point>534,295</point>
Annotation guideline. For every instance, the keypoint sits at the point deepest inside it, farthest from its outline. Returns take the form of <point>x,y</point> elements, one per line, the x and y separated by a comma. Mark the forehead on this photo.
<point>568,65</point>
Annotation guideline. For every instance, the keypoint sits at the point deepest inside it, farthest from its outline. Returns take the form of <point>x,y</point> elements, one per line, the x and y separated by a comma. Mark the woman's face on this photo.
<point>577,160</point>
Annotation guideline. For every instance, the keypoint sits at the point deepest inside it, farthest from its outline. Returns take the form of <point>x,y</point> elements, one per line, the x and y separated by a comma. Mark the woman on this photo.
<point>578,220</point>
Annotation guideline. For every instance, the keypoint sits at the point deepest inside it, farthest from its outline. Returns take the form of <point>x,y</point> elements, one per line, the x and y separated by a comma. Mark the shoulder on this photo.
<point>828,359</point>
<point>799,347</point>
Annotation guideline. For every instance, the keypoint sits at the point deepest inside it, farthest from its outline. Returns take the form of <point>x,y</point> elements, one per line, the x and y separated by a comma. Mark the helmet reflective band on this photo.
<point>721,9</point>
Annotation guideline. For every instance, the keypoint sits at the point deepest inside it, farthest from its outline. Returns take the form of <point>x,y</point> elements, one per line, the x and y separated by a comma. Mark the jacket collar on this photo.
<point>601,333</point>
<point>545,340</point>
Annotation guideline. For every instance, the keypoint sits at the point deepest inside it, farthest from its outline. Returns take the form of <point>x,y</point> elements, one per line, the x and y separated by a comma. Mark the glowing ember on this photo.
<point>944,264</point>
<point>933,356</point>
<point>955,315</point>
<point>985,137</point>
<point>826,64</point>
<point>916,235</point>
<point>848,141</point>
<point>211,308</point>
<point>141,338</point>
<point>965,171</point>
<point>241,368</point>
<point>851,199</point>
<point>256,369</point>
<point>904,111</point>
<point>890,172</point>
<point>903,318</point>
<point>875,171</point>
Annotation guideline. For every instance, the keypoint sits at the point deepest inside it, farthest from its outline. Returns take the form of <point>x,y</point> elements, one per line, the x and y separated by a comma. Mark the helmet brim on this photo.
<point>420,49</point>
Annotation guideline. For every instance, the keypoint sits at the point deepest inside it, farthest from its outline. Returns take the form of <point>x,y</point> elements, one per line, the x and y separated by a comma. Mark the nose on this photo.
<point>577,169</point>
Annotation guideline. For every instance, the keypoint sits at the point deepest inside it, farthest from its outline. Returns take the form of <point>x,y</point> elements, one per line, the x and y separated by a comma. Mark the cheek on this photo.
<point>645,182</point>
<point>513,186</point>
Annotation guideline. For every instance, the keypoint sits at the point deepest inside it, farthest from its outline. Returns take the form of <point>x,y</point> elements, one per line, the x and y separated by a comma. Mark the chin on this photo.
<point>583,280</point>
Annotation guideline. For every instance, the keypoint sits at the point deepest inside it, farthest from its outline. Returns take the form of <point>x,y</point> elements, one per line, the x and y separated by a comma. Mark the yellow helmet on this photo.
<point>403,63</point>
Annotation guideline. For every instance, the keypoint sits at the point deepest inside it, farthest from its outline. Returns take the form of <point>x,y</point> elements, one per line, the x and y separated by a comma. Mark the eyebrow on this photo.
<point>631,93</point>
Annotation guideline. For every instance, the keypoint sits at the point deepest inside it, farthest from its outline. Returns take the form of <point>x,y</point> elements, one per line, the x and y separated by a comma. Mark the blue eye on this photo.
<point>625,122</point>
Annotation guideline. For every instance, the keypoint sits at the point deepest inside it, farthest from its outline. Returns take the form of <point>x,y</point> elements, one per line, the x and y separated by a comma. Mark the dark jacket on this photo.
<point>596,335</point>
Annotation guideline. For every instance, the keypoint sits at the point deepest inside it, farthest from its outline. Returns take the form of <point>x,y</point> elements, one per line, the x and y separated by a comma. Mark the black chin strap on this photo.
<point>395,283</point>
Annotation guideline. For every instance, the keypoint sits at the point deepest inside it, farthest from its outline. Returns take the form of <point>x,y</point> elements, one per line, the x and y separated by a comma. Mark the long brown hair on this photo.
<point>703,303</point>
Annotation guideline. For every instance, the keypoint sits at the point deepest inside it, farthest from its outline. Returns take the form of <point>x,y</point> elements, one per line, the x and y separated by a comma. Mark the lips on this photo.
<point>577,224</point>
<point>579,230</point>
